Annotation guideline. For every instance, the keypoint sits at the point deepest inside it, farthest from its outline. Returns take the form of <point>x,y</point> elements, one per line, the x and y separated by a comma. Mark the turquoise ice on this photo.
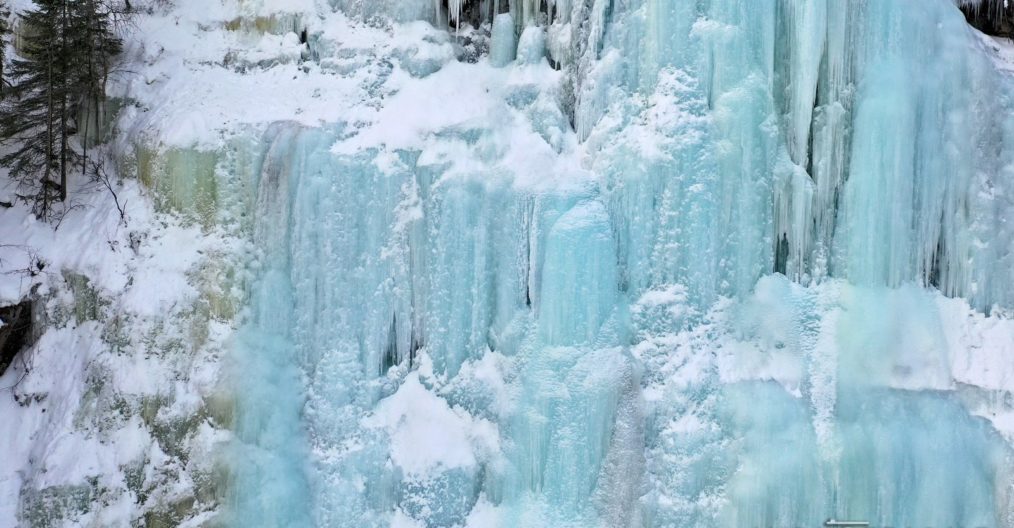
<point>712,299</point>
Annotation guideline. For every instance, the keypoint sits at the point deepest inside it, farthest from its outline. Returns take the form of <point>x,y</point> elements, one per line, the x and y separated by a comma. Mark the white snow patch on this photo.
<point>427,435</point>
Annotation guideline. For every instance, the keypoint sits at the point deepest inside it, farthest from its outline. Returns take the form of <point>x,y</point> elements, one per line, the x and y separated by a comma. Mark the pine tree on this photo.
<point>67,50</point>
<point>31,120</point>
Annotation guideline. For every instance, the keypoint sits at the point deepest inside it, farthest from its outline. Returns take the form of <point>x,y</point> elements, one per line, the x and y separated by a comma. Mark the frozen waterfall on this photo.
<point>706,263</point>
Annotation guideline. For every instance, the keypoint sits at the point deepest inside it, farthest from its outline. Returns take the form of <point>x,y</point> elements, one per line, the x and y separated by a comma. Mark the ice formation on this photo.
<point>659,263</point>
<point>858,148</point>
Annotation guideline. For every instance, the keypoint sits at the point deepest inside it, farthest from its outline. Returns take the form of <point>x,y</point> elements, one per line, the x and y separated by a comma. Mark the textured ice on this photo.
<point>532,45</point>
<point>710,301</point>
<point>503,41</point>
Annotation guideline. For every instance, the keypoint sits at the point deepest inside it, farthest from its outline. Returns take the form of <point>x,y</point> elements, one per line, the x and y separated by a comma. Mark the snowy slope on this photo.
<point>106,406</point>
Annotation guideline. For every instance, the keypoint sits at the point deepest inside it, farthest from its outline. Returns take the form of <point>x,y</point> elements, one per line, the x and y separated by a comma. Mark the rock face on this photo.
<point>992,17</point>
<point>16,332</point>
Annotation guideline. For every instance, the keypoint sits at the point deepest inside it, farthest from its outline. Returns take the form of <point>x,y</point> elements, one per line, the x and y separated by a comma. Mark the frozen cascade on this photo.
<point>755,63</point>
<point>611,348</point>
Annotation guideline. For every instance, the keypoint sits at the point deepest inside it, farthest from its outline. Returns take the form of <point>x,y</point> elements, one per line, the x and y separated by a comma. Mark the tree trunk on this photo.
<point>50,155</point>
<point>63,103</point>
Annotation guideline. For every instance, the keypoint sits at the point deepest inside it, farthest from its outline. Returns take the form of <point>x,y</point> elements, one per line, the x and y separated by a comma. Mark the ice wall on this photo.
<point>350,246</point>
<point>554,305</point>
<point>876,130</point>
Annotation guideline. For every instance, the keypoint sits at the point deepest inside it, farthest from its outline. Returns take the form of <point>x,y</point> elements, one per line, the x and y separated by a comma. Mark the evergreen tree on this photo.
<point>31,120</point>
<point>67,50</point>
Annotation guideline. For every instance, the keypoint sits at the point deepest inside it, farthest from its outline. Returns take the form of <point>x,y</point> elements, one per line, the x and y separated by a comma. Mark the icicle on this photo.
<point>807,21</point>
<point>454,11</point>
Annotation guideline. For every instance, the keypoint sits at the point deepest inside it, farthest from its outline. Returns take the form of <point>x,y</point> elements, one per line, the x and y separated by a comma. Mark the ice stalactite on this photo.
<point>454,11</point>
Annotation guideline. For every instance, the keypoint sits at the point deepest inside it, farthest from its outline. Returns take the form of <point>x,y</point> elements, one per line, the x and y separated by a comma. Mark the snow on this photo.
<point>68,426</point>
<point>192,75</point>
<point>427,436</point>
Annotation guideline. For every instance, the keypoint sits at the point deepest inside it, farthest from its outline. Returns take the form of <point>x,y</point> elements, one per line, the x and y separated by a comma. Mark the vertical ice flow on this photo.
<point>618,350</point>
